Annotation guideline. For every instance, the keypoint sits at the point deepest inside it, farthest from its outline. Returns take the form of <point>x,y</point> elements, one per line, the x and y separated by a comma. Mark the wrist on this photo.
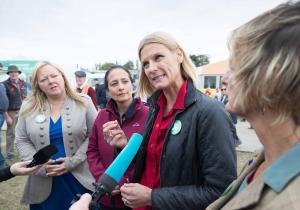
<point>10,173</point>
<point>122,144</point>
<point>125,142</point>
<point>12,170</point>
<point>149,201</point>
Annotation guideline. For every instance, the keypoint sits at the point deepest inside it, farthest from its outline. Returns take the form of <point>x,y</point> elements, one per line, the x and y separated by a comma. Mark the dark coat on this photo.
<point>233,117</point>
<point>15,95</point>
<point>4,99</point>
<point>199,162</point>
<point>101,95</point>
<point>5,174</point>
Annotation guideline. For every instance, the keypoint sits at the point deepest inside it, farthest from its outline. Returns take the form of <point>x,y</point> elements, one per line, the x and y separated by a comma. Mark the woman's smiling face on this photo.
<point>161,66</point>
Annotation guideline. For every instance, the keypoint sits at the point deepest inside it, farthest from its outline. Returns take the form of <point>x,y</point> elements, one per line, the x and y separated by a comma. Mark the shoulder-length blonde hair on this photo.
<point>265,64</point>
<point>187,67</point>
<point>37,99</point>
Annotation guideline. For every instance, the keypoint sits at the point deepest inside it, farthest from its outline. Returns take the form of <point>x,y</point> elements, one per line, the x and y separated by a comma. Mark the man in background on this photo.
<point>232,116</point>
<point>83,87</point>
<point>27,85</point>
<point>101,95</point>
<point>224,100</point>
<point>218,94</point>
<point>15,91</point>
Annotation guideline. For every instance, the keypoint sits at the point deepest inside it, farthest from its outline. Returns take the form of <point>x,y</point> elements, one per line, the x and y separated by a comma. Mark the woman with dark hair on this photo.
<point>123,116</point>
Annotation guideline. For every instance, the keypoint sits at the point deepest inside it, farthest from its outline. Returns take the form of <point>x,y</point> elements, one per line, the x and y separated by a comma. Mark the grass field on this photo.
<point>11,190</point>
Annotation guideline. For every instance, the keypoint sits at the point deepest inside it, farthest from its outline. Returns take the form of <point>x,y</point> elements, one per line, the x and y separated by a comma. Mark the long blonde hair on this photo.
<point>36,101</point>
<point>187,67</point>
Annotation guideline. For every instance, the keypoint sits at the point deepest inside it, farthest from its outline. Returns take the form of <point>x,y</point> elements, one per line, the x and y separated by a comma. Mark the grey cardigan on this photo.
<point>32,134</point>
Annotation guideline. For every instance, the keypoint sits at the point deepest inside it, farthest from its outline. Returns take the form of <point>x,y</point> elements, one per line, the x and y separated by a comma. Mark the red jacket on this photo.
<point>100,154</point>
<point>89,90</point>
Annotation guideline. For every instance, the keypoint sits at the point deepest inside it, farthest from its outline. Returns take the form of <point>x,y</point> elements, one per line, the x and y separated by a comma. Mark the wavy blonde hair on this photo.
<point>36,101</point>
<point>265,64</point>
<point>187,67</point>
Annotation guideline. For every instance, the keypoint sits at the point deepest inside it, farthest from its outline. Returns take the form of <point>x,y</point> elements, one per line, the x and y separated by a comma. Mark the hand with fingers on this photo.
<point>20,168</point>
<point>114,135</point>
<point>56,167</point>
<point>116,191</point>
<point>9,119</point>
<point>135,195</point>
<point>82,203</point>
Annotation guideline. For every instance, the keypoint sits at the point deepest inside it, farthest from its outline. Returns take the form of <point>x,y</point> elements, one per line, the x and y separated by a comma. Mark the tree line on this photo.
<point>198,60</point>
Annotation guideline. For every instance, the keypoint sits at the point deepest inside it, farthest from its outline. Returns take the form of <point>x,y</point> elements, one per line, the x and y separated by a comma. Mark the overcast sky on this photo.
<point>85,32</point>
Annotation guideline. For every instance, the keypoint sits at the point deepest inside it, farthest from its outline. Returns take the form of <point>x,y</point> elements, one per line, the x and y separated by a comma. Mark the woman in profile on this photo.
<point>263,86</point>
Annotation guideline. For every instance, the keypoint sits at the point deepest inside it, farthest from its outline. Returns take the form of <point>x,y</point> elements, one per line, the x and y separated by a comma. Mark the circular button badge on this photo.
<point>40,118</point>
<point>176,127</point>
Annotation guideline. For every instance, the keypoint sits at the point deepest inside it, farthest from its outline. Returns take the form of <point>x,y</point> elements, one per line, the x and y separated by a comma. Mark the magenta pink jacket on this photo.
<point>100,154</point>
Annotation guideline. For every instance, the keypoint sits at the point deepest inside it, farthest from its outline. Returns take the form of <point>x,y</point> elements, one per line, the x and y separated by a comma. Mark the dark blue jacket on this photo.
<point>5,174</point>
<point>199,162</point>
<point>101,95</point>
<point>15,95</point>
<point>4,99</point>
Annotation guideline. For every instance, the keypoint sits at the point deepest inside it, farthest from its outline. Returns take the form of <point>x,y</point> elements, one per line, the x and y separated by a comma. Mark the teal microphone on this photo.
<point>113,174</point>
<point>119,166</point>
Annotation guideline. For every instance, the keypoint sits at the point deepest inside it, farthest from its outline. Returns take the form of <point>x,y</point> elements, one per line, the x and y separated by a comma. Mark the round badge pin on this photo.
<point>40,118</point>
<point>176,127</point>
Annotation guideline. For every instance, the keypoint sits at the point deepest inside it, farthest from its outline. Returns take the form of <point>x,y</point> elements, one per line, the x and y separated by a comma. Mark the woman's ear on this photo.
<point>179,53</point>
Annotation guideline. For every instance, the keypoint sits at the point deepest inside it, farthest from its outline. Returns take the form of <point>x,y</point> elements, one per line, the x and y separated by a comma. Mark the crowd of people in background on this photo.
<point>187,159</point>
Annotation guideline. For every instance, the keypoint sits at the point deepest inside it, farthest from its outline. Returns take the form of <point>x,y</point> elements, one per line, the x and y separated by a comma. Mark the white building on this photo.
<point>210,75</point>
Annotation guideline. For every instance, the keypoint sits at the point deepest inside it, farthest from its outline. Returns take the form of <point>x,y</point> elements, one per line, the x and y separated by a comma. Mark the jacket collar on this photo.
<point>13,83</point>
<point>189,96</point>
<point>66,104</point>
<point>248,196</point>
<point>276,176</point>
<point>286,167</point>
<point>135,105</point>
